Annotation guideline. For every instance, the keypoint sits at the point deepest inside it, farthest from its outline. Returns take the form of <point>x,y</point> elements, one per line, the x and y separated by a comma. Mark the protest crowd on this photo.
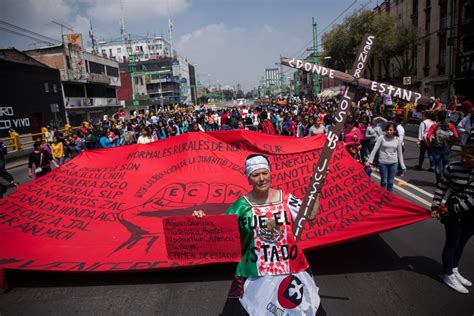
<point>292,117</point>
<point>373,135</point>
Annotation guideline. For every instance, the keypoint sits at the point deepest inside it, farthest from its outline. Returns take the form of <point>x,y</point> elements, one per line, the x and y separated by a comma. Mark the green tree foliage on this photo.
<point>394,44</point>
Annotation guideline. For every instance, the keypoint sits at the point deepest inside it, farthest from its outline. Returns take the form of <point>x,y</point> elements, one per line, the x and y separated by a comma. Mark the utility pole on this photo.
<point>315,58</point>
<point>127,39</point>
<point>63,26</point>
<point>92,37</point>
<point>282,79</point>
<point>170,33</point>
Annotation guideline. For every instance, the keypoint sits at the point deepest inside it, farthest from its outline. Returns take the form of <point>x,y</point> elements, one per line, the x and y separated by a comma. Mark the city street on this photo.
<point>394,273</point>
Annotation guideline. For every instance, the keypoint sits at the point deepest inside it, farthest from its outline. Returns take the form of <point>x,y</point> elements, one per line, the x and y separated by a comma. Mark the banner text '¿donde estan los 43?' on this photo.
<point>396,92</point>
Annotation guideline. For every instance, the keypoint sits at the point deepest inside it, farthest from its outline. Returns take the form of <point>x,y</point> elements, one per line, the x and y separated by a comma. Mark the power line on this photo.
<point>41,37</point>
<point>25,35</point>
<point>302,50</point>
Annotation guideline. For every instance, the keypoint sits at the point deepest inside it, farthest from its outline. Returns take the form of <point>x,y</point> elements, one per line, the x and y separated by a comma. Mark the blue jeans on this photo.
<point>59,161</point>
<point>440,160</point>
<point>387,175</point>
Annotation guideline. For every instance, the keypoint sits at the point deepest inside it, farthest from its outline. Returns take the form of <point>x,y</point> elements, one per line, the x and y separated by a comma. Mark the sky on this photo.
<point>230,41</point>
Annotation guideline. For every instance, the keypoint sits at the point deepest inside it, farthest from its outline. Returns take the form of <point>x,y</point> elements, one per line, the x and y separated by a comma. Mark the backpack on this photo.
<point>442,137</point>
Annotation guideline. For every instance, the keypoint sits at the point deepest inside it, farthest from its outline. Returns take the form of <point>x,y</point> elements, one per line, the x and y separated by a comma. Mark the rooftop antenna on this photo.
<point>170,30</point>
<point>93,40</point>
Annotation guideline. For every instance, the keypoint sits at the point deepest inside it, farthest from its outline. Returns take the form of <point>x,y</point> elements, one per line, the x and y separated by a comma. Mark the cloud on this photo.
<point>37,16</point>
<point>135,10</point>
<point>234,55</point>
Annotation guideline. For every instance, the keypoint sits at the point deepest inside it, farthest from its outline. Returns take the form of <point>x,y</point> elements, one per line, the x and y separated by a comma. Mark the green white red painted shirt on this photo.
<point>268,251</point>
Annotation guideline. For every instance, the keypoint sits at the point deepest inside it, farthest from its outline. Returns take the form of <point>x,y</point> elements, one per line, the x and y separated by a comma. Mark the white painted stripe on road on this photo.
<point>416,197</point>
<point>414,187</point>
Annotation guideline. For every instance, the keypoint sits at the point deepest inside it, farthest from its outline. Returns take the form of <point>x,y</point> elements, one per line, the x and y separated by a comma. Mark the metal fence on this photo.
<point>17,142</point>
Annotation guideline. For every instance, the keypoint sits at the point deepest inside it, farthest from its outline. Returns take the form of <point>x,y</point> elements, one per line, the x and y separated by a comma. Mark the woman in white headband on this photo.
<point>273,276</point>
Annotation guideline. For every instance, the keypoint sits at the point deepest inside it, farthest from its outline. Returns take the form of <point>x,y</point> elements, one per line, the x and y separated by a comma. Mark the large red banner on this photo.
<point>111,209</point>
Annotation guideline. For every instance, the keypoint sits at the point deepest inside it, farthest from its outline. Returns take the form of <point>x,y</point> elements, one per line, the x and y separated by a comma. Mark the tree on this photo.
<point>342,41</point>
<point>394,44</point>
<point>228,94</point>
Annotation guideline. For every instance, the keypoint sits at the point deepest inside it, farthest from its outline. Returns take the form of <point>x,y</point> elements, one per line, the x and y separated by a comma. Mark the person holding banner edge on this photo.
<point>457,214</point>
<point>273,275</point>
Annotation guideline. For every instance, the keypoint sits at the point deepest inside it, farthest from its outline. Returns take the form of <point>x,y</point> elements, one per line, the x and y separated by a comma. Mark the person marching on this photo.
<point>440,137</point>
<point>41,159</point>
<point>273,274</point>
<point>390,154</point>
<point>457,215</point>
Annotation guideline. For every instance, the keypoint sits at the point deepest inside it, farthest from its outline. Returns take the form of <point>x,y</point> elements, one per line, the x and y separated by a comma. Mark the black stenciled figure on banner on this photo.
<point>41,158</point>
<point>273,275</point>
<point>458,213</point>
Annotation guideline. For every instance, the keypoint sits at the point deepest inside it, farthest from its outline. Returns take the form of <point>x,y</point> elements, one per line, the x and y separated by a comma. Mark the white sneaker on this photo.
<point>452,282</point>
<point>461,279</point>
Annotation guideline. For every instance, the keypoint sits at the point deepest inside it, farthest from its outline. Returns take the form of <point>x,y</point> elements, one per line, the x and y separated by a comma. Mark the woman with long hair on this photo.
<point>389,150</point>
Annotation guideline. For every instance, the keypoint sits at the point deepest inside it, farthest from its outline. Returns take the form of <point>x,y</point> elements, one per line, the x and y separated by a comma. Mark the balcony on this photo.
<point>78,102</point>
<point>84,77</point>
<point>98,78</point>
<point>73,76</point>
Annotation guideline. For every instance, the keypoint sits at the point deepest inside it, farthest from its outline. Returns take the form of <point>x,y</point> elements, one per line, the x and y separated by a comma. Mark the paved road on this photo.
<point>394,273</point>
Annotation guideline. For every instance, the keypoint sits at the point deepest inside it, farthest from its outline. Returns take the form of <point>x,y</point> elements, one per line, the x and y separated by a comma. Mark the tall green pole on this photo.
<point>282,79</point>
<point>451,41</point>
<point>315,58</point>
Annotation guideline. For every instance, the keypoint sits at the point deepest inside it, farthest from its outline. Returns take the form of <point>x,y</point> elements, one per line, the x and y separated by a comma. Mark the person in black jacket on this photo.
<point>458,213</point>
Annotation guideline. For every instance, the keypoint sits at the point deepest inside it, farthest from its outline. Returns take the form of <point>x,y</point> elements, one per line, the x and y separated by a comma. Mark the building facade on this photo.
<point>443,58</point>
<point>89,82</point>
<point>31,95</point>
<point>144,49</point>
<point>156,83</point>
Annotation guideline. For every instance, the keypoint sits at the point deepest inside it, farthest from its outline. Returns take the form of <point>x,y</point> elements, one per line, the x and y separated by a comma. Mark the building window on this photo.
<point>103,51</point>
<point>160,46</point>
<point>443,15</point>
<point>55,88</point>
<point>442,55</point>
<point>112,71</point>
<point>96,68</point>
<point>426,68</point>
<point>46,87</point>
<point>119,50</point>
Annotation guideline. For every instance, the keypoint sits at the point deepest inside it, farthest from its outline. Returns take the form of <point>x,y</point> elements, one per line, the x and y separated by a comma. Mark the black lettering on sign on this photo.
<point>214,238</point>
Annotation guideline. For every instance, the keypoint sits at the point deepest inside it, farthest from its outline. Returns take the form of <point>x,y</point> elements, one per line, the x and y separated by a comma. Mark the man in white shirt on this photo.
<point>464,127</point>
<point>422,131</point>
<point>400,130</point>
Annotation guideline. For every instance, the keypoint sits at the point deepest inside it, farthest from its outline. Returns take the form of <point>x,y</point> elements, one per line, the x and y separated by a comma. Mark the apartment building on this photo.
<point>443,58</point>
<point>89,82</point>
<point>148,48</point>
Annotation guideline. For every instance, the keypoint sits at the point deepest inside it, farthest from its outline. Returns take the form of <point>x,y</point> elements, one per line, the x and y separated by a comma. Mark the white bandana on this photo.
<point>254,163</point>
